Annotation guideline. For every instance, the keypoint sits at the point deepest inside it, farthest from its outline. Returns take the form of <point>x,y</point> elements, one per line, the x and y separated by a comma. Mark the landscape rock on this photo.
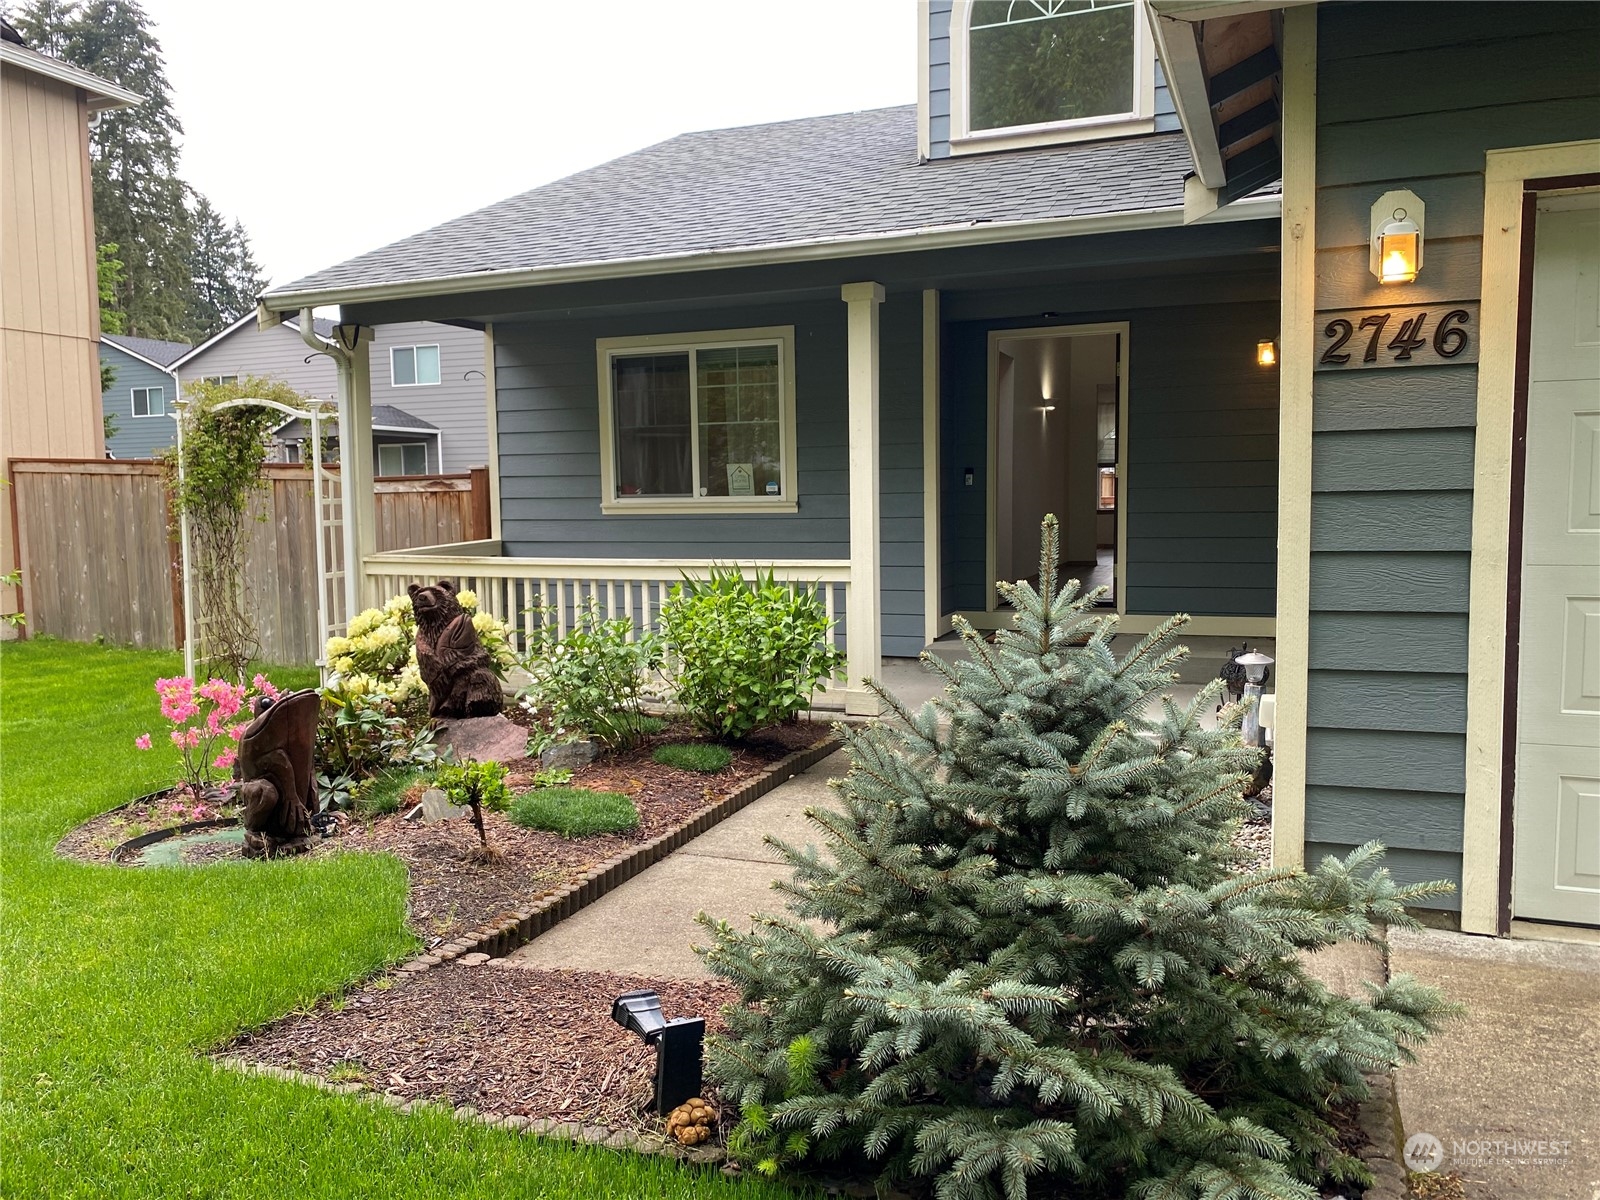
<point>569,756</point>
<point>484,739</point>
<point>436,806</point>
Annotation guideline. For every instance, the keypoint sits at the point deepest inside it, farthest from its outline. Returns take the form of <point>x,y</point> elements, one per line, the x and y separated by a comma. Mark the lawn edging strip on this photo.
<point>547,911</point>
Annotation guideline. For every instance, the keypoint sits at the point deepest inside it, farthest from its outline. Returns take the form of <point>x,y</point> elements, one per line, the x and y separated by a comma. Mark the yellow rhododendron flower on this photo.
<point>467,598</point>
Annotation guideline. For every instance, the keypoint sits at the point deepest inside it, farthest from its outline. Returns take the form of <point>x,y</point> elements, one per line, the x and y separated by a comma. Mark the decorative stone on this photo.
<point>484,739</point>
<point>569,756</point>
<point>436,806</point>
<point>475,959</point>
<point>278,788</point>
<point>452,662</point>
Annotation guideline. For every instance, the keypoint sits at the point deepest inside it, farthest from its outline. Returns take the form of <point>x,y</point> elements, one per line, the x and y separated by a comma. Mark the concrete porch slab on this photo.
<point>1523,1067</point>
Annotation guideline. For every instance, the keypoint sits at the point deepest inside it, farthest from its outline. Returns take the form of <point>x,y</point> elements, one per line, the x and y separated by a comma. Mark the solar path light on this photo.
<point>677,1042</point>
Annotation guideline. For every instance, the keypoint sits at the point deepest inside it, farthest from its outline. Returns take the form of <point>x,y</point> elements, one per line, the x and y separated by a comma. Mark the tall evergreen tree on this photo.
<point>1039,964</point>
<point>222,272</point>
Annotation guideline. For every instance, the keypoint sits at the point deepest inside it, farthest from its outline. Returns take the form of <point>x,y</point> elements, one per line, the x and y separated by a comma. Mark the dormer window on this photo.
<point>1035,72</point>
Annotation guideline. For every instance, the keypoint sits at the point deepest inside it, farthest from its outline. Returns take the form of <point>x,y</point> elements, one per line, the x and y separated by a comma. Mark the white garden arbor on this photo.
<point>329,524</point>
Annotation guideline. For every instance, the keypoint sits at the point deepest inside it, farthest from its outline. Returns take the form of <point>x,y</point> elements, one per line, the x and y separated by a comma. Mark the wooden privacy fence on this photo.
<point>99,561</point>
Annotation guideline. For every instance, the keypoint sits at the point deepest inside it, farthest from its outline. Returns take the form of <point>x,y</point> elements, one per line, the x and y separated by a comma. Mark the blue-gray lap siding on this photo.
<point>549,413</point>
<point>938,104</point>
<point>1202,452</point>
<point>1407,100</point>
<point>136,437</point>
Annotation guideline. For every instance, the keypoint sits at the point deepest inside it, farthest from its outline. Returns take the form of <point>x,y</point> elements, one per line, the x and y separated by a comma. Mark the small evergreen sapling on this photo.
<point>1041,966</point>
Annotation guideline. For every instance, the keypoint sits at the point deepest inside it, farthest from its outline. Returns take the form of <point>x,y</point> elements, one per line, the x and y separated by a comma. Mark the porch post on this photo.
<point>357,503</point>
<point>863,614</point>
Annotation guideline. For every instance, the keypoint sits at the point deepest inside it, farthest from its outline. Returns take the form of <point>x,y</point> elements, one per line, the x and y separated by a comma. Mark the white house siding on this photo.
<point>456,404</point>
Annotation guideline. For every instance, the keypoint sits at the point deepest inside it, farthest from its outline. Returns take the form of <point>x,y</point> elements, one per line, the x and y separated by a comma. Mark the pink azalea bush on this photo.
<point>205,718</point>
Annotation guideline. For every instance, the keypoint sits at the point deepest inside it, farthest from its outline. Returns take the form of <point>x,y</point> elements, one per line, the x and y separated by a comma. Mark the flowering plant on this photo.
<point>203,724</point>
<point>378,653</point>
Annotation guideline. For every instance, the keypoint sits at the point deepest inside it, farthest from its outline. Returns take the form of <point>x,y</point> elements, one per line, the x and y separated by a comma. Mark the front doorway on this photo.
<point>1057,434</point>
<point>1556,804</point>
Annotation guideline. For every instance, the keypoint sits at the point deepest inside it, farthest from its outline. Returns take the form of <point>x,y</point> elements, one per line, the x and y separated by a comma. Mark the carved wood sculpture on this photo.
<point>278,788</point>
<point>453,663</point>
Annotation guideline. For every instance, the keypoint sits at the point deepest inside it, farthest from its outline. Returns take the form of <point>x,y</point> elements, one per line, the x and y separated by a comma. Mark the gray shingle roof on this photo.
<point>386,415</point>
<point>850,175</point>
<point>161,353</point>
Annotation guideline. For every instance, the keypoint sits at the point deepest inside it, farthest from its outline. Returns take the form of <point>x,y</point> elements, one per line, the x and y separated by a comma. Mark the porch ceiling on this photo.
<point>1188,251</point>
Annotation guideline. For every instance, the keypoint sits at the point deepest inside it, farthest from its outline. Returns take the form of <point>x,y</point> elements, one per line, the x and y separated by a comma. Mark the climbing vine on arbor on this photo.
<point>223,452</point>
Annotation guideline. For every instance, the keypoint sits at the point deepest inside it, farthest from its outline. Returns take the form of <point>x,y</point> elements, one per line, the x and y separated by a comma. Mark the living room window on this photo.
<point>698,422</point>
<point>1034,72</point>
<point>414,366</point>
<point>150,402</point>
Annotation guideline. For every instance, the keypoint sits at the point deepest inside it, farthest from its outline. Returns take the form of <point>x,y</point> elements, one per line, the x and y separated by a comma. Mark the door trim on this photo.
<point>992,362</point>
<point>1496,516</point>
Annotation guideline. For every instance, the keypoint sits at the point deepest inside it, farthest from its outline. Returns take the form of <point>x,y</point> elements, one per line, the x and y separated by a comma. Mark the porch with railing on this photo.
<point>523,592</point>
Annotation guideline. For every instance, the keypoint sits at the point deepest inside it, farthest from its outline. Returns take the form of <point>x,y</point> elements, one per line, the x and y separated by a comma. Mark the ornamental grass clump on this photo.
<point>1027,959</point>
<point>575,812</point>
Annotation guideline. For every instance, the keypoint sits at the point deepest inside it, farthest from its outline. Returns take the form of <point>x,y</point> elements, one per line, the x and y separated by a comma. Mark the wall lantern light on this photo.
<point>1395,255</point>
<point>677,1042</point>
<point>1267,354</point>
<point>1254,664</point>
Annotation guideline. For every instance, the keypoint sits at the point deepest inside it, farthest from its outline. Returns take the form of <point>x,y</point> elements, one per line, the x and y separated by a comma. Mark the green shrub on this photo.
<point>745,653</point>
<point>575,812</point>
<point>591,679</point>
<point>364,734</point>
<point>470,783</point>
<point>693,756</point>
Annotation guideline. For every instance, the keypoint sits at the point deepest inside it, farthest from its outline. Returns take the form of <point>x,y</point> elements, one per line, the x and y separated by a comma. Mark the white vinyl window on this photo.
<point>1035,72</point>
<point>150,402</point>
<point>221,379</point>
<point>414,366</point>
<point>698,422</point>
<point>403,458</point>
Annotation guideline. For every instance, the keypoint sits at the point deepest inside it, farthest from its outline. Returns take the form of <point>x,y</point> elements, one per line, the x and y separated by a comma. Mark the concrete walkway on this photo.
<point>1522,1068</point>
<point>646,927</point>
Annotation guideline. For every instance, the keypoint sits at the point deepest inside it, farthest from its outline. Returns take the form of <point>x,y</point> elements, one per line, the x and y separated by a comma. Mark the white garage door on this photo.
<point>1556,870</point>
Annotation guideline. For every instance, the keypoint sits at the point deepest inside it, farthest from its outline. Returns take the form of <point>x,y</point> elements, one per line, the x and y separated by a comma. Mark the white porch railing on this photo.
<point>519,590</point>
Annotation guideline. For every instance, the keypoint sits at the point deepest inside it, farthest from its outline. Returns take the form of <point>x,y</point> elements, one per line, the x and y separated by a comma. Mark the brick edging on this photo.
<point>505,935</point>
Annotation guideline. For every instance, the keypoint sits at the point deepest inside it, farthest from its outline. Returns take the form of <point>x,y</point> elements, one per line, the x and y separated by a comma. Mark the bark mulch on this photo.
<point>450,893</point>
<point>539,1044</point>
<point>95,839</point>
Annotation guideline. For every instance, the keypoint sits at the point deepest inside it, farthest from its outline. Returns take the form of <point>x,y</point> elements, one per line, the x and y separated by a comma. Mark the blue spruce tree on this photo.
<point>1041,969</point>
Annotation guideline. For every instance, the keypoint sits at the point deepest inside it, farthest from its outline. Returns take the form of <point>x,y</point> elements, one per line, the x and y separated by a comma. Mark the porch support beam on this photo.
<point>863,613</point>
<point>357,498</point>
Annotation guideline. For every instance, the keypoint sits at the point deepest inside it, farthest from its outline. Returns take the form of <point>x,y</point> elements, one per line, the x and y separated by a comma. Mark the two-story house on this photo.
<point>1249,294</point>
<point>427,386</point>
<point>49,290</point>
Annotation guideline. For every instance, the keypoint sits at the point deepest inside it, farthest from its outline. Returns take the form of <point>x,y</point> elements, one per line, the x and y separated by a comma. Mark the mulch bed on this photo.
<point>504,1040</point>
<point>450,893</point>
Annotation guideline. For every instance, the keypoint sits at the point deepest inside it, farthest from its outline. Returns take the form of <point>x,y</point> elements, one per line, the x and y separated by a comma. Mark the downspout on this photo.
<point>347,525</point>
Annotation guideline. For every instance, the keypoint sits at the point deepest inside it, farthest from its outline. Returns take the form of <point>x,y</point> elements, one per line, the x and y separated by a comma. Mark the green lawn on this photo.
<point>113,981</point>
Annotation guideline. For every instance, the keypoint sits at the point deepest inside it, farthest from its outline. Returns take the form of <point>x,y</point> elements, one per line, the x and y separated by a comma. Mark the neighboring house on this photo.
<point>431,377</point>
<point>873,348</point>
<point>139,398</point>
<point>49,287</point>
<point>401,443</point>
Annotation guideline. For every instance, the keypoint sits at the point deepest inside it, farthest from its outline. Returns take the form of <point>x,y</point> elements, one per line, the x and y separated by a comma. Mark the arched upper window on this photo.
<point>1036,71</point>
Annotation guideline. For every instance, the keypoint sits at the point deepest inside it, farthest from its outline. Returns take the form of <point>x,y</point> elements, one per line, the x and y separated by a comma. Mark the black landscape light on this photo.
<point>677,1042</point>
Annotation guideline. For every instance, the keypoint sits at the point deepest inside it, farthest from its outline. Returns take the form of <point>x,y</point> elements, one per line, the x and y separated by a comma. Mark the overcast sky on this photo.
<point>333,128</point>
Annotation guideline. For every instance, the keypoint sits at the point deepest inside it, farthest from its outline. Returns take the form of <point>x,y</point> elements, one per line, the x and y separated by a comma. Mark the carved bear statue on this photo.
<point>278,788</point>
<point>453,663</point>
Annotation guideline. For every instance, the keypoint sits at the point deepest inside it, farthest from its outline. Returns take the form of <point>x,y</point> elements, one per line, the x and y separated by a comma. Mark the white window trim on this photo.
<point>140,416</point>
<point>607,349</point>
<point>1049,133</point>
<point>434,346</point>
<point>400,446</point>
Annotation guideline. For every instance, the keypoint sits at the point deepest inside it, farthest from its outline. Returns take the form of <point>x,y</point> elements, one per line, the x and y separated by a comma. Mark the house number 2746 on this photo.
<point>1409,336</point>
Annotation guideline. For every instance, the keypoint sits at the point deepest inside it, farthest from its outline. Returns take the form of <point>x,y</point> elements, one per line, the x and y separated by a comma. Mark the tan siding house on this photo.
<point>49,302</point>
